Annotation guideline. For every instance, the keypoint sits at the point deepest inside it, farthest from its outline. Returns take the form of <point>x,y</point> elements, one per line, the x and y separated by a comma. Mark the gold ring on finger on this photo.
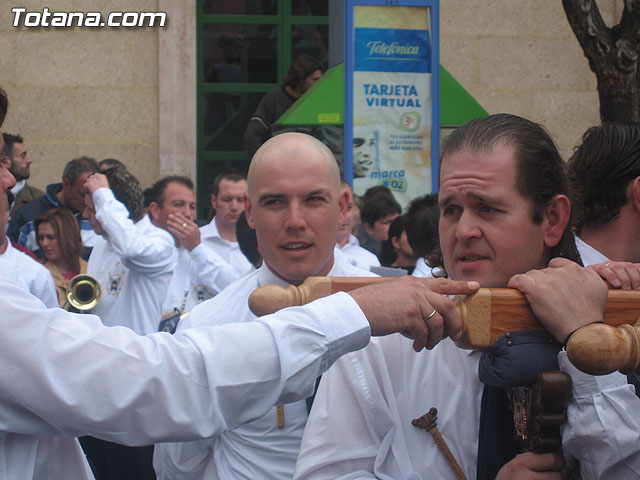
<point>432,314</point>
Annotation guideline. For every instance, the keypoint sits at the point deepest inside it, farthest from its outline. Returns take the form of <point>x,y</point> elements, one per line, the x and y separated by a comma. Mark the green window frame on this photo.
<point>208,161</point>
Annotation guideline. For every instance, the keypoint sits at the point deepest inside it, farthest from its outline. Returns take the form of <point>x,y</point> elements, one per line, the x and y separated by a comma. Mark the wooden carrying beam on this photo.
<point>489,314</point>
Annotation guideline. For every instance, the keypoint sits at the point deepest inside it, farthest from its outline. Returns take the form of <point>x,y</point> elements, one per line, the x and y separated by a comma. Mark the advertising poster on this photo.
<point>392,101</point>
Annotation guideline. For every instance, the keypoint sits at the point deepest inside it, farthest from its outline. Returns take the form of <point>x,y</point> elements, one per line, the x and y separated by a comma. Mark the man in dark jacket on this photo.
<point>67,194</point>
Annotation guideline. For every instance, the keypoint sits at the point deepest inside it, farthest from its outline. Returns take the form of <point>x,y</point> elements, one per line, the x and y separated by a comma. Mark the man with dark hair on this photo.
<point>227,200</point>
<point>378,211</point>
<point>200,272</point>
<point>22,268</point>
<point>423,215</point>
<point>19,166</point>
<point>133,262</point>
<point>68,194</point>
<point>347,245</point>
<point>604,172</point>
<point>504,216</point>
<point>109,163</point>
<point>303,72</point>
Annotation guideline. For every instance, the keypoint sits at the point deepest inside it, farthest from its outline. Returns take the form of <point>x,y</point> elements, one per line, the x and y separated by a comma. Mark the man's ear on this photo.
<point>343,203</point>
<point>66,183</point>
<point>368,228</point>
<point>154,210</point>
<point>556,218</point>
<point>634,194</point>
<point>213,201</point>
<point>247,211</point>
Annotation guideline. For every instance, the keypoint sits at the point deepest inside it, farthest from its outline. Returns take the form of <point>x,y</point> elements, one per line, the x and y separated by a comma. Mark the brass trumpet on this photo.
<point>83,292</point>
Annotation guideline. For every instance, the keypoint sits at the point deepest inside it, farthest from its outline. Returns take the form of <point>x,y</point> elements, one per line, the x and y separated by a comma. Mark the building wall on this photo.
<point>89,91</point>
<point>520,56</point>
<point>130,93</point>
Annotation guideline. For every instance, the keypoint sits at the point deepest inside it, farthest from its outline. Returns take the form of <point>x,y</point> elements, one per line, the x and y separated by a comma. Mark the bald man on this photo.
<point>295,203</point>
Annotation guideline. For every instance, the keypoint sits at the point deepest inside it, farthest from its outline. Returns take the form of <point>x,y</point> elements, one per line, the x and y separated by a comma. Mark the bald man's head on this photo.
<point>294,147</point>
<point>295,204</point>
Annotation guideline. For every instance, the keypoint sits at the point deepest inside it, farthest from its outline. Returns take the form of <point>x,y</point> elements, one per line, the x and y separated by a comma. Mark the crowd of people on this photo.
<point>172,376</point>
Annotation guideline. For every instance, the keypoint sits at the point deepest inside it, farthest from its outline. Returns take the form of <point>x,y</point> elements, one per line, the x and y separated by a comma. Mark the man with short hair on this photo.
<point>19,166</point>
<point>604,172</point>
<point>23,269</point>
<point>68,194</point>
<point>133,262</point>
<point>423,215</point>
<point>200,272</point>
<point>504,214</point>
<point>227,199</point>
<point>348,245</point>
<point>296,220</point>
<point>378,211</point>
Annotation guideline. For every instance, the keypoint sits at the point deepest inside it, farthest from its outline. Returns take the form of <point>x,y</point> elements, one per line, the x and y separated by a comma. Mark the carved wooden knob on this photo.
<point>600,349</point>
<point>271,298</point>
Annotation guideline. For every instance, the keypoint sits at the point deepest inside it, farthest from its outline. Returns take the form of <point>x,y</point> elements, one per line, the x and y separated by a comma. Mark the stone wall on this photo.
<point>520,56</point>
<point>87,91</point>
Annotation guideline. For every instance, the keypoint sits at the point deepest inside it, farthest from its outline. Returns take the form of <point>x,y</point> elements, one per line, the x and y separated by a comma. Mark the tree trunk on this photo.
<point>613,55</point>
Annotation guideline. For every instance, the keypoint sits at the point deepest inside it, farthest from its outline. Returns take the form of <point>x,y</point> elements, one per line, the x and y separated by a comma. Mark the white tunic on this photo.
<point>360,426</point>
<point>588,254</point>
<point>356,255</point>
<point>45,454</point>
<point>230,251</point>
<point>34,277</point>
<point>199,275</point>
<point>257,449</point>
<point>133,266</point>
<point>67,374</point>
<point>422,269</point>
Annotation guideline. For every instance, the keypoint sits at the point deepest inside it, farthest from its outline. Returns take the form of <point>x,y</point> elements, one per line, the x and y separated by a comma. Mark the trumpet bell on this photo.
<point>84,292</point>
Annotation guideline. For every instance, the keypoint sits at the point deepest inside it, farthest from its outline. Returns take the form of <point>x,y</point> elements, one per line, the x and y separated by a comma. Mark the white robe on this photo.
<point>360,425</point>
<point>133,266</point>
<point>257,449</point>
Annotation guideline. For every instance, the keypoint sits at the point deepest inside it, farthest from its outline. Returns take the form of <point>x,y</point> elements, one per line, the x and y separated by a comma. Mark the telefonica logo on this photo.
<point>393,48</point>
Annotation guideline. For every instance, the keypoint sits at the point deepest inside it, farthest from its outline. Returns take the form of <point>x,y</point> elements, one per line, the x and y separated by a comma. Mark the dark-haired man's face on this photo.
<point>20,162</point>
<point>310,80</point>
<point>229,203</point>
<point>89,212</point>
<point>6,183</point>
<point>177,198</point>
<point>73,193</point>
<point>380,229</point>
<point>486,225</point>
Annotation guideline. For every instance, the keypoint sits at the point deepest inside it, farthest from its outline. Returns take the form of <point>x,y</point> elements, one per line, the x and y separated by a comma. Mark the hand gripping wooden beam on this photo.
<point>490,313</point>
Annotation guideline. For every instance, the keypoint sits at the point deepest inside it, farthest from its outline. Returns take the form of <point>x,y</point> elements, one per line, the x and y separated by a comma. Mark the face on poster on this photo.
<point>392,100</point>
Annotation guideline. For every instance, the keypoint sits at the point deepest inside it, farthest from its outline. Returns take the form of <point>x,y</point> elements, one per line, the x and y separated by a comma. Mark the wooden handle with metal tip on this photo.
<point>489,314</point>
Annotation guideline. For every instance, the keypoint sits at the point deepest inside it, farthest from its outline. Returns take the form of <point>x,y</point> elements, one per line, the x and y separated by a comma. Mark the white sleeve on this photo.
<point>603,428</point>
<point>152,252</point>
<point>211,270</point>
<point>67,374</point>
